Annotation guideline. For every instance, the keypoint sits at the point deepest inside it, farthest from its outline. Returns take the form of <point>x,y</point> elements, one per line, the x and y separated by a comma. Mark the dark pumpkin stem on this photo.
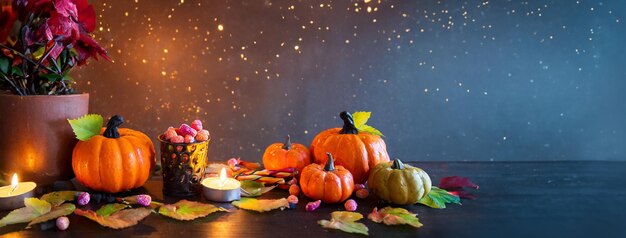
<point>348,124</point>
<point>330,163</point>
<point>112,125</point>
<point>397,164</point>
<point>287,145</point>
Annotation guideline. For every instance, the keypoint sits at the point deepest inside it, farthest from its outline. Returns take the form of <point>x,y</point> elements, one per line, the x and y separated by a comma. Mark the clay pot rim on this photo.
<point>40,96</point>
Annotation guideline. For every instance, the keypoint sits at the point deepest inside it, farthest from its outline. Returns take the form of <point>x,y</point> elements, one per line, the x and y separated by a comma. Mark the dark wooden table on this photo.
<point>516,199</point>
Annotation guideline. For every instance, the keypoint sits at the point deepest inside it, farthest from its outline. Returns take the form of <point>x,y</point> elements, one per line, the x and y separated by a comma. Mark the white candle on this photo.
<point>221,189</point>
<point>12,196</point>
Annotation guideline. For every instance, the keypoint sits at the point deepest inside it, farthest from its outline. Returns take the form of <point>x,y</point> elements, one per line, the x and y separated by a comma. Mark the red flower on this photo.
<point>7,18</point>
<point>88,47</point>
<point>86,15</point>
<point>63,26</point>
<point>67,8</point>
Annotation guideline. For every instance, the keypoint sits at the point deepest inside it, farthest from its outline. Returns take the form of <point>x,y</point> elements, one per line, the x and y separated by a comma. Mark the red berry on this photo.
<point>189,139</point>
<point>177,139</point>
<point>167,135</point>
<point>292,199</point>
<point>197,124</point>
<point>294,190</point>
<point>350,205</point>
<point>185,129</point>
<point>362,193</point>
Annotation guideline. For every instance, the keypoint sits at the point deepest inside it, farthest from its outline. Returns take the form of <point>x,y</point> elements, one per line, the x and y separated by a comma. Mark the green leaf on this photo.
<point>4,65</point>
<point>261,205</point>
<point>51,77</point>
<point>437,198</point>
<point>188,210</point>
<point>58,198</point>
<point>17,71</point>
<point>59,211</point>
<point>39,53</point>
<point>360,118</point>
<point>109,209</point>
<point>345,221</point>
<point>394,216</point>
<point>86,126</point>
<point>251,188</point>
<point>122,219</point>
<point>34,208</point>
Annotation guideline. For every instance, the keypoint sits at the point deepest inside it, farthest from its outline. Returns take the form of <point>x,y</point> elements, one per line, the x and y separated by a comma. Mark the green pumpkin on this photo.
<point>399,184</point>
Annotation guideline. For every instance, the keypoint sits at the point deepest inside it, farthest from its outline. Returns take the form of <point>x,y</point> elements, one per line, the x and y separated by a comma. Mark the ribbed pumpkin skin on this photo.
<point>357,153</point>
<point>276,157</point>
<point>114,165</point>
<point>399,186</point>
<point>329,186</point>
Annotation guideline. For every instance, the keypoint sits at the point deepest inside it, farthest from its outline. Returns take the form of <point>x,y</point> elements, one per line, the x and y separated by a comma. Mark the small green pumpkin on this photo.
<point>399,184</point>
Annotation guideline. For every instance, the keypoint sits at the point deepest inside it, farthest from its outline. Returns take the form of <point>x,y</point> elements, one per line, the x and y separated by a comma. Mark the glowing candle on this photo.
<point>221,189</point>
<point>12,196</point>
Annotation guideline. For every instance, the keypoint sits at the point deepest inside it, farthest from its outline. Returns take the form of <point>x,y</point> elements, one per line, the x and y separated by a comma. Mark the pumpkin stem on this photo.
<point>112,125</point>
<point>287,145</point>
<point>330,163</point>
<point>397,164</point>
<point>348,124</point>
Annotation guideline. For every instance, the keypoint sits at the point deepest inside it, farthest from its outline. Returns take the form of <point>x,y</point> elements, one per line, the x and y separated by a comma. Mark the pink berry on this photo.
<point>185,130</point>
<point>177,139</point>
<point>189,139</point>
<point>232,162</point>
<point>144,200</point>
<point>362,193</point>
<point>311,206</point>
<point>63,223</point>
<point>294,190</point>
<point>350,205</point>
<point>197,124</point>
<point>293,181</point>
<point>293,201</point>
<point>359,186</point>
<point>202,137</point>
<point>83,198</point>
<point>167,135</point>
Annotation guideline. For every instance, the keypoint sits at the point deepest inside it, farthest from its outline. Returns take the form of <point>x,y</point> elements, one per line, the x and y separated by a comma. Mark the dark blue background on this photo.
<point>448,80</point>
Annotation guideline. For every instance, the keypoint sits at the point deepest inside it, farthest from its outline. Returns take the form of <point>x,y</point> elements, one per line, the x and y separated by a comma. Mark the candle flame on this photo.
<point>223,175</point>
<point>14,182</point>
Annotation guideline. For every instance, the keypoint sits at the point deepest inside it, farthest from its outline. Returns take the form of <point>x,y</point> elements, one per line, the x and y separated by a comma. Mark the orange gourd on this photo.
<point>119,159</point>
<point>286,155</point>
<point>331,184</point>
<point>357,152</point>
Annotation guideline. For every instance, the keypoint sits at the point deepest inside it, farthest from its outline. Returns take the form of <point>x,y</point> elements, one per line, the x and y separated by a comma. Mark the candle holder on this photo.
<point>183,167</point>
<point>228,191</point>
<point>13,198</point>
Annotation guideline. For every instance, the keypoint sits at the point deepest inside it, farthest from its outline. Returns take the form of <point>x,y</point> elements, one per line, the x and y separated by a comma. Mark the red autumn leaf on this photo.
<point>456,185</point>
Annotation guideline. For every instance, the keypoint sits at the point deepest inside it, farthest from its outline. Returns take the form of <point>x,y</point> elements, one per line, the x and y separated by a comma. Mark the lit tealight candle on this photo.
<point>12,196</point>
<point>221,189</point>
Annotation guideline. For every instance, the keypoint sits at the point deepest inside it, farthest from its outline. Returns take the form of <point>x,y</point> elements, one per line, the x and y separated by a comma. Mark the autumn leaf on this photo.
<point>58,198</point>
<point>86,126</point>
<point>58,211</point>
<point>456,185</point>
<point>437,198</point>
<point>261,205</point>
<point>345,221</point>
<point>394,216</point>
<point>253,188</point>
<point>360,120</point>
<point>109,209</point>
<point>34,208</point>
<point>121,219</point>
<point>188,210</point>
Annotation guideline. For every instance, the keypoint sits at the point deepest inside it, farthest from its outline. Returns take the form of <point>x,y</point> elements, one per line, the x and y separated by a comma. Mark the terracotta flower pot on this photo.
<point>36,141</point>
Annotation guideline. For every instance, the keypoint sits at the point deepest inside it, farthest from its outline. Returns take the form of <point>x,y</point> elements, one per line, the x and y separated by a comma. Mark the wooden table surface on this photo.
<point>516,199</point>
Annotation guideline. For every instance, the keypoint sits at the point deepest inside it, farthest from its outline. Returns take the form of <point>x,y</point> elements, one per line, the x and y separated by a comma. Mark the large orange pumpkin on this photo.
<point>330,183</point>
<point>357,152</point>
<point>119,159</point>
<point>286,155</point>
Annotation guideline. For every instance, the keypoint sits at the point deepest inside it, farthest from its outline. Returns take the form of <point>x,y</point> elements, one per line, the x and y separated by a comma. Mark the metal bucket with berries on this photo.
<point>184,156</point>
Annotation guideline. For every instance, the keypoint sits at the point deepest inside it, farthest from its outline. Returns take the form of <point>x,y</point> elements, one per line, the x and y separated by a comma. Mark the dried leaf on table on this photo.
<point>188,210</point>
<point>456,185</point>
<point>109,209</point>
<point>59,197</point>
<point>121,219</point>
<point>58,211</point>
<point>261,205</point>
<point>254,189</point>
<point>437,198</point>
<point>34,208</point>
<point>394,216</point>
<point>345,221</point>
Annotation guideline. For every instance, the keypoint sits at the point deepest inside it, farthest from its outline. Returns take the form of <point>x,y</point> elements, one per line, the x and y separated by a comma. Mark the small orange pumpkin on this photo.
<point>330,183</point>
<point>119,159</point>
<point>279,156</point>
<point>357,152</point>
